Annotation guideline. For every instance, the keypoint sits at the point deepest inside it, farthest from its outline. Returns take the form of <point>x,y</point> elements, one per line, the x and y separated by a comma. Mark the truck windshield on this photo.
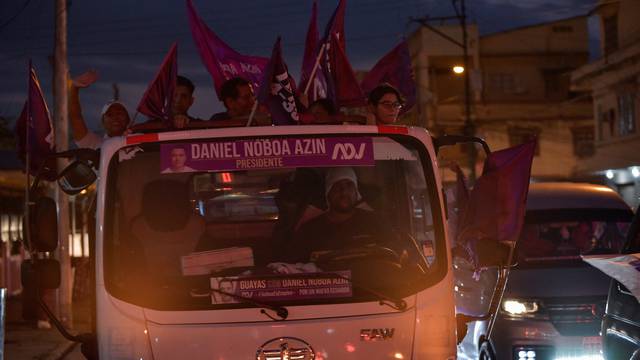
<point>559,235</point>
<point>288,221</point>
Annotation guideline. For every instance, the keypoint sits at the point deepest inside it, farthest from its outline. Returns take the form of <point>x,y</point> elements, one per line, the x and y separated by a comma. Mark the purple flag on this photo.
<point>394,68</point>
<point>496,205</point>
<point>158,99</point>
<point>33,128</point>
<point>342,85</point>
<point>277,90</point>
<point>219,58</point>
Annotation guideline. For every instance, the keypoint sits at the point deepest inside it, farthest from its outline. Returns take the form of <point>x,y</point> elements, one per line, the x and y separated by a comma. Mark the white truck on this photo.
<point>234,243</point>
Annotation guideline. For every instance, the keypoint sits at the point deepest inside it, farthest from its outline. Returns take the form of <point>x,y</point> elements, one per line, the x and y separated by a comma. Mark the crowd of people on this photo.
<point>237,96</point>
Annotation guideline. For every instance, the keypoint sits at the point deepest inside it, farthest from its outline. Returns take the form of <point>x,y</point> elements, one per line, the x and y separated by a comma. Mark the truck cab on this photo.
<point>224,243</point>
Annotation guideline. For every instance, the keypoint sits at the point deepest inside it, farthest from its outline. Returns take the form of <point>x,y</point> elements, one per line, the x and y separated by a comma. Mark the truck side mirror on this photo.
<point>40,273</point>
<point>43,225</point>
<point>76,177</point>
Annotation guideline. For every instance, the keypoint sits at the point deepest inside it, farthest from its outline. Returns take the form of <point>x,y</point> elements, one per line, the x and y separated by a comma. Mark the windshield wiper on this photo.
<point>393,302</point>
<point>281,311</point>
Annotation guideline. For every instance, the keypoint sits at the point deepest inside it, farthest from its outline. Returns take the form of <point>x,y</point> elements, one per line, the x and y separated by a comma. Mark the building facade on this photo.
<point>614,81</point>
<point>520,86</point>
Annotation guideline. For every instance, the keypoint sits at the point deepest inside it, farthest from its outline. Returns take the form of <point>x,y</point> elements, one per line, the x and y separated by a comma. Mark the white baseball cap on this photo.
<point>340,173</point>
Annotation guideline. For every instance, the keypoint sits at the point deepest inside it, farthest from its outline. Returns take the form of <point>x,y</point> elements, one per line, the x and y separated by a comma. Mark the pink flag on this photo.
<point>157,100</point>
<point>342,85</point>
<point>394,68</point>
<point>310,47</point>
<point>335,26</point>
<point>496,206</point>
<point>219,58</point>
<point>33,128</point>
<point>278,90</point>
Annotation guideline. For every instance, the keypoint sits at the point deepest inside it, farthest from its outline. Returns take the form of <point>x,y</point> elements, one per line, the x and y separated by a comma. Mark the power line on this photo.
<point>15,16</point>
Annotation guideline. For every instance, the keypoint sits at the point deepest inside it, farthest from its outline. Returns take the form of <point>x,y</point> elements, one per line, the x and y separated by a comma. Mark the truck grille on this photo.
<point>576,317</point>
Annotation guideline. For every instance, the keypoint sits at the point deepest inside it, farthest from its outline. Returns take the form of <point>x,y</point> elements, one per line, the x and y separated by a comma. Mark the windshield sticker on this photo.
<point>128,153</point>
<point>266,154</point>
<point>282,288</point>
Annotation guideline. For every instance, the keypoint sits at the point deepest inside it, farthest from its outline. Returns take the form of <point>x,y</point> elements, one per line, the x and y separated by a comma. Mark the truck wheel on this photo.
<point>486,352</point>
<point>635,355</point>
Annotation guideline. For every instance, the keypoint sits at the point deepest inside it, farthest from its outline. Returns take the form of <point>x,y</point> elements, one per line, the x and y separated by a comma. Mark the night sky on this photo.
<point>126,40</point>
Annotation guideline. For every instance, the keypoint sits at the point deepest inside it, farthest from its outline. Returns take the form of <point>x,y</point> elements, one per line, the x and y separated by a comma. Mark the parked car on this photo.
<point>554,302</point>
<point>621,322</point>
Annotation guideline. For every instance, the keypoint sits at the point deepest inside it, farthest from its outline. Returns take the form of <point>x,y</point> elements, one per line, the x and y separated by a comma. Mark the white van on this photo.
<point>285,242</point>
<point>554,302</point>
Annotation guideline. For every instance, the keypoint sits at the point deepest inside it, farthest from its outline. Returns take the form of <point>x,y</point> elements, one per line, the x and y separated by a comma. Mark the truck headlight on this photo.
<point>516,308</point>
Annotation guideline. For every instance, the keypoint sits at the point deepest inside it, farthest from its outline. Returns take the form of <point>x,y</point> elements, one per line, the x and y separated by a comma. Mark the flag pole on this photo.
<point>253,112</point>
<point>27,185</point>
<point>315,68</point>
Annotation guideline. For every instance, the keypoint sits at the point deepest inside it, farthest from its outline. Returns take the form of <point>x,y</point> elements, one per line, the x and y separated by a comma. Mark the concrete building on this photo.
<point>614,82</point>
<point>520,84</point>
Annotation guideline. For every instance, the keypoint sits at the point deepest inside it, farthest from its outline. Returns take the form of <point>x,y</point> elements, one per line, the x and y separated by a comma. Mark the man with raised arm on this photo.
<point>114,117</point>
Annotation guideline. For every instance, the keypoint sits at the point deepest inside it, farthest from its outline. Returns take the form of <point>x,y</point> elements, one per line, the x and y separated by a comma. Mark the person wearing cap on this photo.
<point>343,225</point>
<point>114,115</point>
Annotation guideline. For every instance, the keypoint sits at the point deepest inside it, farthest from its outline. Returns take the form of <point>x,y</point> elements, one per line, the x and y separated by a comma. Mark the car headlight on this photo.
<point>515,307</point>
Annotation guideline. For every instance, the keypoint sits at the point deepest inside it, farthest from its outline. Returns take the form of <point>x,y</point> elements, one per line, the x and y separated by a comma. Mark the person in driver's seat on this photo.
<point>343,225</point>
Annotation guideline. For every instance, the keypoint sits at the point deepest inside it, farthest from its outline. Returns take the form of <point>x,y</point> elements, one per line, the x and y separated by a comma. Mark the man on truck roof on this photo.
<point>114,116</point>
<point>238,98</point>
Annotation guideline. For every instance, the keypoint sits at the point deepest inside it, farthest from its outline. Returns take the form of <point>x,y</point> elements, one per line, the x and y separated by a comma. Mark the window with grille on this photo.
<point>583,141</point>
<point>562,29</point>
<point>610,25</point>
<point>626,113</point>
<point>556,83</point>
<point>504,83</point>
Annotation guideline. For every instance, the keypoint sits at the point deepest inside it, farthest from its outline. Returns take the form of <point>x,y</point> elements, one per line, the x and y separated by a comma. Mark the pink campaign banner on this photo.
<point>272,153</point>
<point>222,61</point>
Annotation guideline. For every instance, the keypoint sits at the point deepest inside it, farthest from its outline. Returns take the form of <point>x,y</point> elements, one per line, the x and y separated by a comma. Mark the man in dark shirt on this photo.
<point>182,101</point>
<point>238,98</point>
<point>343,225</point>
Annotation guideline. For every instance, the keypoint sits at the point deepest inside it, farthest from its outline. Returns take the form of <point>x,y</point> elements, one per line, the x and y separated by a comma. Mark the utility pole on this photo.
<point>60,110</point>
<point>469,128</point>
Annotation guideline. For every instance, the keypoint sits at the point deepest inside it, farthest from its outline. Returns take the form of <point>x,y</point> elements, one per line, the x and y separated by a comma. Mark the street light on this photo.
<point>458,69</point>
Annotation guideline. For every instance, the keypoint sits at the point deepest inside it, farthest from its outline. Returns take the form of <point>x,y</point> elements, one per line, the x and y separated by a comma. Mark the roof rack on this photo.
<point>154,126</point>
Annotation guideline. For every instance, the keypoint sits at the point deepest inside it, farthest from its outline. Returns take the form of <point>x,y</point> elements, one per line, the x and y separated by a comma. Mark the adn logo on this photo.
<point>376,334</point>
<point>348,152</point>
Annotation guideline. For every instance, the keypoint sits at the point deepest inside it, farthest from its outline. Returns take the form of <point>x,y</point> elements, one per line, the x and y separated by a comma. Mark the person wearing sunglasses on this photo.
<point>385,103</point>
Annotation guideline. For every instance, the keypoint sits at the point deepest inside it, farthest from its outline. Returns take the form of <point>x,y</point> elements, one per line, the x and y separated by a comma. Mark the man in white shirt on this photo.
<point>114,116</point>
<point>178,162</point>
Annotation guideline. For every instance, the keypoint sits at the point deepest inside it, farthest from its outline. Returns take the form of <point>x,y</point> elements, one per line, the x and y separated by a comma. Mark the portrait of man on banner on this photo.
<point>226,285</point>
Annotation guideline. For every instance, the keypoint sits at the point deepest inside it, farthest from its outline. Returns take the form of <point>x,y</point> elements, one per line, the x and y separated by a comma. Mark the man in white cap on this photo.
<point>114,116</point>
<point>343,225</point>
